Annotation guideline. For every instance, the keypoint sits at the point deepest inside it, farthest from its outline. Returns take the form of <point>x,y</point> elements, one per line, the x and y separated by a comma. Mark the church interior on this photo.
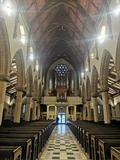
<point>60,80</point>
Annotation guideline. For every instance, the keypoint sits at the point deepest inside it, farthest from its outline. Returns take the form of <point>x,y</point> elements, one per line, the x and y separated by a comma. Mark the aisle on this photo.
<point>62,145</point>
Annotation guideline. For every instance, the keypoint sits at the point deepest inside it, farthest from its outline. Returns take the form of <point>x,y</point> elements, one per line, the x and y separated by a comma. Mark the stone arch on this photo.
<point>5,60</point>
<point>104,70</point>
<point>5,56</point>
<point>117,59</point>
<point>88,89</point>
<point>29,81</point>
<point>104,74</point>
<point>20,69</point>
<point>94,81</point>
<point>60,61</point>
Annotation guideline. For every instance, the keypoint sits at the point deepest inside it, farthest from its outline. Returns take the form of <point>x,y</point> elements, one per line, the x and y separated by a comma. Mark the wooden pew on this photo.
<point>104,147</point>
<point>33,137</point>
<point>26,131</point>
<point>94,143</point>
<point>43,132</point>
<point>86,129</point>
<point>115,153</point>
<point>87,141</point>
<point>26,145</point>
<point>10,153</point>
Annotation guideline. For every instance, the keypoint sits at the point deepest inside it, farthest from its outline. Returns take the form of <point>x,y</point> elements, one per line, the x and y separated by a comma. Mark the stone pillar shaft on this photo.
<point>106,108</point>
<point>2,98</point>
<point>88,110</point>
<point>28,107</point>
<point>75,113</point>
<point>38,111</point>
<point>47,112</point>
<point>84,111</point>
<point>55,112</point>
<point>34,116</point>
<point>18,106</point>
<point>95,108</point>
<point>66,113</point>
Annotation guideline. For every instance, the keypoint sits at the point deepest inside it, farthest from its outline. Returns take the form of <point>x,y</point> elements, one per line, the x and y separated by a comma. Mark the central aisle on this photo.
<point>62,145</point>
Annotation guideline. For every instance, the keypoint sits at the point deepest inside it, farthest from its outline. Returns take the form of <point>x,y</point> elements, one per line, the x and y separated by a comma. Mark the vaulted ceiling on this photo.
<point>62,28</point>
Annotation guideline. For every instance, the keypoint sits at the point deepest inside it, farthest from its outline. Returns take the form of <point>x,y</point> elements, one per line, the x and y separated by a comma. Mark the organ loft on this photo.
<point>60,79</point>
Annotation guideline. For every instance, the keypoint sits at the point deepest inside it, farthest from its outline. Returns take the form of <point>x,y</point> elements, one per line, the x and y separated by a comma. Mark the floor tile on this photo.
<point>62,145</point>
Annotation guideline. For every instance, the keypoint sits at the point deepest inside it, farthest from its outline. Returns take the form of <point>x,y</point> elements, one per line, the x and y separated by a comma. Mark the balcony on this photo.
<point>69,101</point>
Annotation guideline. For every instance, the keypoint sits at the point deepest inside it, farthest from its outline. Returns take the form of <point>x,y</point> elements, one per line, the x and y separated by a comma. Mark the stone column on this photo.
<point>88,110</point>
<point>84,111</point>
<point>28,107</point>
<point>47,112</point>
<point>2,98</point>
<point>95,108</point>
<point>75,113</point>
<point>66,113</point>
<point>55,112</point>
<point>38,110</point>
<point>34,108</point>
<point>18,106</point>
<point>106,108</point>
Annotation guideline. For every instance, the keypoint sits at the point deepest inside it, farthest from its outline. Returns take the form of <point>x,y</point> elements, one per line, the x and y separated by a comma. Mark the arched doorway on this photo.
<point>61,114</point>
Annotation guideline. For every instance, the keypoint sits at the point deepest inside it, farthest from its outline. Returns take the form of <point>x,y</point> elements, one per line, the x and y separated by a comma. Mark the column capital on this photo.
<point>4,77</point>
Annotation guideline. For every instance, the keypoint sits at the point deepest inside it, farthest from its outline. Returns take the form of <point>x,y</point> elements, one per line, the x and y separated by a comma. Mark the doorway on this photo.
<point>62,118</point>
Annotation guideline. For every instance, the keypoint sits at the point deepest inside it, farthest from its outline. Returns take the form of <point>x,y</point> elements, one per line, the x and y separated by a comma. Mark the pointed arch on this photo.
<point>117,59</point>
<point>94,82</point>
<point>104,69</point>
<point>5,56</point>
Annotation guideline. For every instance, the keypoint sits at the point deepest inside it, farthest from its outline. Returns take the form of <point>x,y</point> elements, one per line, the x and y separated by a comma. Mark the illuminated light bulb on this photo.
<point>7,8</point>
<point>37,67</point>
<point>101,38</point>
<point>117,11</point>
<point>31,57</point>
<point>92,55</point>
<point>86,69</point>
<point>23,40</point>
<point>82,74</point>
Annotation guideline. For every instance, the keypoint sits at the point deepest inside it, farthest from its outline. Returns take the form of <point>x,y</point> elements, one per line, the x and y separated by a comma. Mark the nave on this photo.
<point>59,59</point>
<point>62,145</point>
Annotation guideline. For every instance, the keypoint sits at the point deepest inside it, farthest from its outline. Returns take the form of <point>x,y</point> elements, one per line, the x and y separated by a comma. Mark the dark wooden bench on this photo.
<point>104,147</point>
<point>94,143</point>
<point>25,143</point>
<point>10,153</point>
<point>26,131</point>
<point>43,129</point>
<point>33,137</point>
<point>115,153</point>
<point>83,131</point>
<point>87,141</point>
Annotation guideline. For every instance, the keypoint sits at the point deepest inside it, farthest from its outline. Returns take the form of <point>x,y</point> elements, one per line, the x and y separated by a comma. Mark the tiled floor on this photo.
<point>62,145</point>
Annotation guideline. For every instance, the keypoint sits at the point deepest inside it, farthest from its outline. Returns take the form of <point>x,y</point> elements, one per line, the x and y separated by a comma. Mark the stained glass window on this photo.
<point>61,70</point>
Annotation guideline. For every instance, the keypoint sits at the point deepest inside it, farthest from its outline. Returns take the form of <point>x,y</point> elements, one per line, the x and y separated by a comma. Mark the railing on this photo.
<point>69,100</point>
